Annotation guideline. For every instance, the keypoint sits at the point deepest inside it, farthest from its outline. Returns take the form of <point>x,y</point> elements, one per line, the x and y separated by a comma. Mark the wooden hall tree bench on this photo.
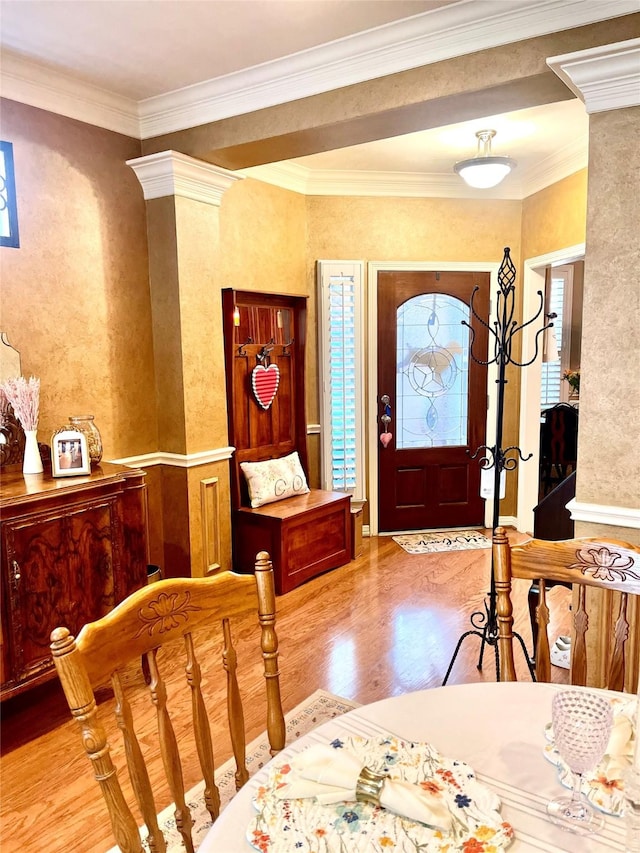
<point>305,534</point>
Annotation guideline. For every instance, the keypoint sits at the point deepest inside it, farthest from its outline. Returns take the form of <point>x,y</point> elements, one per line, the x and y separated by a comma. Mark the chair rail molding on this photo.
<point>177,460</point>
<point>616,516</point>
<point>172,173</point>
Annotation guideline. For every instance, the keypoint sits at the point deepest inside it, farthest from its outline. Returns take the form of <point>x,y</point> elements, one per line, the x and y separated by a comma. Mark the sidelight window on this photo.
<point>340,336</point>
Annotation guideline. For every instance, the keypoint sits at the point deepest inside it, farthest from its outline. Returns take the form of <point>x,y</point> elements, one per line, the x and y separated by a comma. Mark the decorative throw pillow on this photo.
<point>274,479</point>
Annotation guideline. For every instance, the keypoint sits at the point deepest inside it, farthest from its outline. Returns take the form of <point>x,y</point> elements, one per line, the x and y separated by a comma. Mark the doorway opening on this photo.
<point>534,281</point>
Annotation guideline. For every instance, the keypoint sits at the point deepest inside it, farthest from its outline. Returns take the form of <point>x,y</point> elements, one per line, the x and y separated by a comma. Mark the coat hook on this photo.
<point>285,347</point>
<point>241,351</point>
<point>264,352</point>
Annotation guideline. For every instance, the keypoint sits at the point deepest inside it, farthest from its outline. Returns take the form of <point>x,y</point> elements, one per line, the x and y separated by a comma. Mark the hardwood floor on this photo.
<point>384,624</point>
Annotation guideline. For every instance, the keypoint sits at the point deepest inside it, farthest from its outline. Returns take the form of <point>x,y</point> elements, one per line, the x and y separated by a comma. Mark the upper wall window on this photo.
<point>8,206</point>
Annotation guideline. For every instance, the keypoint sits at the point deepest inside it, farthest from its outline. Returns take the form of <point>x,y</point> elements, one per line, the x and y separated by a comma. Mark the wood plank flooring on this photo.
<point>385,624</point>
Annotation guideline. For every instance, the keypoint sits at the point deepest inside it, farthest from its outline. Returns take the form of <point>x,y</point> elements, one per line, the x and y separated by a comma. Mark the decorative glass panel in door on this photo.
<point>432,372</point>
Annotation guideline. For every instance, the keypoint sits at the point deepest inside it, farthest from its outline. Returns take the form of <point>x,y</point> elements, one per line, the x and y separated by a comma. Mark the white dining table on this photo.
<point>497,728</point>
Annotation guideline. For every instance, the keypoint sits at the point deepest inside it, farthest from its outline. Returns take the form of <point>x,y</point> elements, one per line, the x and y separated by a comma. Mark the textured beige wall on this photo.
<point>263,236</point>
<point>555,217</point>
<point>412,229</point>
<point>609,451</point>
<point>75,294</point>
<point>187,324</point>
<point>200,323</point>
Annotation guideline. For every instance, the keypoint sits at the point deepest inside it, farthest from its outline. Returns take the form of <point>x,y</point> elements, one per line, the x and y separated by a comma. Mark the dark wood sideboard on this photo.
<point>72,548</point>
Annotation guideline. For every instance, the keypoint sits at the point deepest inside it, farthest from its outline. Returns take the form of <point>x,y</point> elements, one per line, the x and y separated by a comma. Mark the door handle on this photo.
<point>385,417</point>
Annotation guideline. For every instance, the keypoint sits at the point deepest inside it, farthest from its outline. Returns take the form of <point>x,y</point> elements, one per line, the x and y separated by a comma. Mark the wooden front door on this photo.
<point>437,398</point>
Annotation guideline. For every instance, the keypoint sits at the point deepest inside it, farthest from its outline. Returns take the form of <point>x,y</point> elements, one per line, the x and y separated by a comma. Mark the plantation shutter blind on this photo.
<point>559,303</point>
<point>340,318</point>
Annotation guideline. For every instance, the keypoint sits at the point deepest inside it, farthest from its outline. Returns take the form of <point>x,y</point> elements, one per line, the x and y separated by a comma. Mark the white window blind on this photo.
<point>554,389</point>
<point>340,335</point>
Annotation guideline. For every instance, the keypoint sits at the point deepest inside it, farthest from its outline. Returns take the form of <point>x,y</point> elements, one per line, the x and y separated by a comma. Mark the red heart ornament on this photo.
<point>385,438</point>
<point>265,382</point>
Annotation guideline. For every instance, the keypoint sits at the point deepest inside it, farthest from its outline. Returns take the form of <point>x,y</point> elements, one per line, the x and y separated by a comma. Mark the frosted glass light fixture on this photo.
<point>484,170</point>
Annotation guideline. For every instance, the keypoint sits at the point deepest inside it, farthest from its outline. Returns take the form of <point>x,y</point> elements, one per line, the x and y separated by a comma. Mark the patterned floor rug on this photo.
<point>449,540</point>
<point>317,708</point>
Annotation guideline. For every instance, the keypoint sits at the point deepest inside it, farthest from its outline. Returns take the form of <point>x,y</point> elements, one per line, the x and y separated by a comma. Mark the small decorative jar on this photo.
<point>85,424</point>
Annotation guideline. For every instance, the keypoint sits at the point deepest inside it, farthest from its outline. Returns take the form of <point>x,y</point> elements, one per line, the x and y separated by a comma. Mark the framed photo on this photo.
<point>69,454</point>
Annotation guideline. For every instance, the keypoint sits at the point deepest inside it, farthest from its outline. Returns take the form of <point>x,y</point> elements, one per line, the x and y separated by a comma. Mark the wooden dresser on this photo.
<point>71,549</point>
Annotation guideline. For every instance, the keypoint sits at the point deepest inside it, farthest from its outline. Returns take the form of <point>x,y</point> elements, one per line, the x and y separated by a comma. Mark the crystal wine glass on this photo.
<point>582,724</point>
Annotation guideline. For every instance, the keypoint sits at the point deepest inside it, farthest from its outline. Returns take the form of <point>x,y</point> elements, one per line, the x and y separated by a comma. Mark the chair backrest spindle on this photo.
<point>204,745</point>
<point>169,750</point>
<point>136,766</point>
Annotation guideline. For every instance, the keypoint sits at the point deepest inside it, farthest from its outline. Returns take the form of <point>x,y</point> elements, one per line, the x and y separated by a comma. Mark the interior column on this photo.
<point>183,197</point>
<point>607,499</point>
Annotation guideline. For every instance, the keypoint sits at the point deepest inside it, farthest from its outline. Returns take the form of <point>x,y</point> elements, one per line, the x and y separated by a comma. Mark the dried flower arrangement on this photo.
<point>24,396</point>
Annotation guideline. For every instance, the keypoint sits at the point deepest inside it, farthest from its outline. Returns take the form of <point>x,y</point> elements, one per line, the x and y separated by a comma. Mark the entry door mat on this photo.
<point>448,540</point>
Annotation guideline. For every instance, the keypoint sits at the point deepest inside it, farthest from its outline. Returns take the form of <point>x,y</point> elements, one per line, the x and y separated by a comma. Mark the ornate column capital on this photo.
<point>605,77</point>
<point>172,173</point>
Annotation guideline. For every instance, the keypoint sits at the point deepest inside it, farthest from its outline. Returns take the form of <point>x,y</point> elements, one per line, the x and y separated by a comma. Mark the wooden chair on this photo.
<point>153,617</point>
<point>603,563</point>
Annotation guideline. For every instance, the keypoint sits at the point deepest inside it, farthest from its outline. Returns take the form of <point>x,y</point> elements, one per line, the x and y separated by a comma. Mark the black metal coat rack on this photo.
<point>503,335</point>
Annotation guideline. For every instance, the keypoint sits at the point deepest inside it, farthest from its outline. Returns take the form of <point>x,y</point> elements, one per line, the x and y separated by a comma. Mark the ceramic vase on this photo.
<point>32,462</point>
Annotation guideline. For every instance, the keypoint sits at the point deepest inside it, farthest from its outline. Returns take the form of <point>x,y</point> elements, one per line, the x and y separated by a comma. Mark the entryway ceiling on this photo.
<point>122,63</point>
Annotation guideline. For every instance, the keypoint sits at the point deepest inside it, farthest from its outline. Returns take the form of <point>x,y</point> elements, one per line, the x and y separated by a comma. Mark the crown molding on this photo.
<point>440,34</point>
<point>327,182</point>
<point>562,163</point>
<point>170,173</point>
<point>454,30</point>
<point>604,78</point>
<point>177,460</point>
<point>29,83</point>
<point>288,176</point>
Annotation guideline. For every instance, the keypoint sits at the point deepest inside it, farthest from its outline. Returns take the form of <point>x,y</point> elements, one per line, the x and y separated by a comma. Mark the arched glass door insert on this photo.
<point>432,375</point>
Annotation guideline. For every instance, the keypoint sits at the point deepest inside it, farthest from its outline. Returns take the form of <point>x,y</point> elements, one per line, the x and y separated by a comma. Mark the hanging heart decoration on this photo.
<point>385,438</point>
<point>264,381</point>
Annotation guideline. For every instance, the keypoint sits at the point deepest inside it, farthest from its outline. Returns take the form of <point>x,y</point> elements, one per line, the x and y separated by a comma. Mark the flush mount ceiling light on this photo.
<point>484,170</point>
